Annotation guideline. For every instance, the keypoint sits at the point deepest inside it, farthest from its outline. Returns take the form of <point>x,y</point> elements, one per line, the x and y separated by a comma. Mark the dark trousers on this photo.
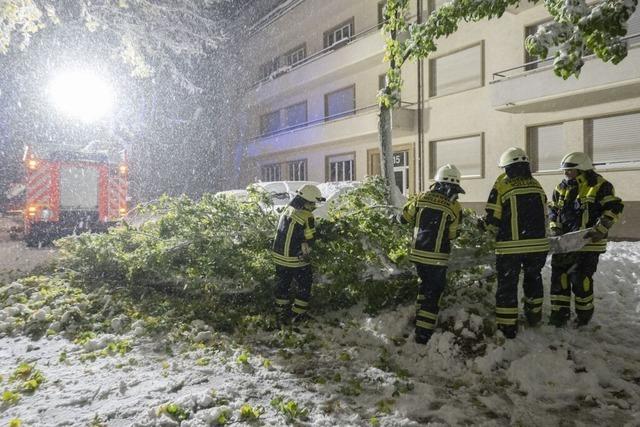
<point>284,276</point>
<point>508,269</point>
<point>433,279</point>
<point>572,272</point>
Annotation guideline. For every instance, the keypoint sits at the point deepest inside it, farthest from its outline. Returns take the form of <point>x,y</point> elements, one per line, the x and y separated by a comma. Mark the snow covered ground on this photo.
<point>349,369</point>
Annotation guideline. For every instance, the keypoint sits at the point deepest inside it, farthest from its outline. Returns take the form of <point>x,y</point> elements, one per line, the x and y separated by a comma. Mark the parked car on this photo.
<point>282,192</point>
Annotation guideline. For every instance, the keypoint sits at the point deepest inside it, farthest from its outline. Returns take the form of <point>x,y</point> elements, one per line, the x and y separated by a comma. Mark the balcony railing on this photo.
<point>317,55</point>
<point>324,120</point>
<point>545,63</point>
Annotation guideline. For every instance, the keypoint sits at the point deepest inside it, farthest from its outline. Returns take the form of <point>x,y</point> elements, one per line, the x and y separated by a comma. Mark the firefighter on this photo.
<point>516,213</point>
<point>291,249</point>
<point>435,216</point>
<point>583,200</point>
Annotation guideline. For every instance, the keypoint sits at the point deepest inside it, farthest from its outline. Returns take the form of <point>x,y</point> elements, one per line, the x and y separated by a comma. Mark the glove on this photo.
<point>555,232</point>
<point>306,250</point>
<point>595,234</point>
<point>481,224</point>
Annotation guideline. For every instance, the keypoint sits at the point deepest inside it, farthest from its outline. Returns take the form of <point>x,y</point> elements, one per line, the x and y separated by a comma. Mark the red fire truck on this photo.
<point>71,190</point>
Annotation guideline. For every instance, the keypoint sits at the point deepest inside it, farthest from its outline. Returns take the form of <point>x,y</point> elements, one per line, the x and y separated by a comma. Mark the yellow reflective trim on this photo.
<point>298,310</point>
<point>300,302</point>
<point>514,218</point>
<point>584,300</point>
<point>428,315</point>
<point>443,223</point>
<point>536,310</point>
<point>564,282</point>
<point>565,298</point>
<point>535,300</point>
<point>507,310</point>
<point>425,325</point>
<point>282,301</point>
<point>503,321</point>
<point>538,241</point>
<point>586,284</point>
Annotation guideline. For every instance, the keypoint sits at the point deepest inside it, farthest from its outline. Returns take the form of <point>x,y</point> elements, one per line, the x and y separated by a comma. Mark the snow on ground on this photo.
<point>349,368</point>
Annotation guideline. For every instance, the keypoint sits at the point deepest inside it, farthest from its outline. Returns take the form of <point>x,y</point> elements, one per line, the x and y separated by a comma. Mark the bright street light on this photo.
<point>81,94</point>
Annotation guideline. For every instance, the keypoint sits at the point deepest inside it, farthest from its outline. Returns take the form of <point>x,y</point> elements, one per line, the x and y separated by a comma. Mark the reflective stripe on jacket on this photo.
<point>435,221</point>
<point>581,203</point>
<point>295,227</point>
<point>517,209</point>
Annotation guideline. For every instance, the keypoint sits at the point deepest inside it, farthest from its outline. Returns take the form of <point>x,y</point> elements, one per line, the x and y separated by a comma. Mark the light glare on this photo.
<point>81,94</point>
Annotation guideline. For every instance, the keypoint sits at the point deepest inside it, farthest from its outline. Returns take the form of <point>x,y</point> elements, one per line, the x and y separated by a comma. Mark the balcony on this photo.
<point>362,124</point>
<point>361,51</point>
<point>517,90</point>
<point>524,5</point>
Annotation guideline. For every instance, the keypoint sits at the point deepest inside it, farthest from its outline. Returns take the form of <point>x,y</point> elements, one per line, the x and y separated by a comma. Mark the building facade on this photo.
<point>317,66</point>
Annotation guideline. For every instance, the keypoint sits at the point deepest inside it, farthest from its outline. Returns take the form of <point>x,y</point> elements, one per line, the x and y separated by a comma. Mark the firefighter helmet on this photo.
<point>449,174</point>
<point>310,193</point>
<point>576,160</point>
<point>511,156</point>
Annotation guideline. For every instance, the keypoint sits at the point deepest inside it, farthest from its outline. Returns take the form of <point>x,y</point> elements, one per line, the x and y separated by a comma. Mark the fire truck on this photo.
<point>72,190</point>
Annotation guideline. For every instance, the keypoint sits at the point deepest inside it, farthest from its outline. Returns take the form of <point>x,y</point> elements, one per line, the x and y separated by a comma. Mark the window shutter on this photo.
<point>615,140</point>
<point>456,72</point>
<point>465,153</point>
<point>546,147</point>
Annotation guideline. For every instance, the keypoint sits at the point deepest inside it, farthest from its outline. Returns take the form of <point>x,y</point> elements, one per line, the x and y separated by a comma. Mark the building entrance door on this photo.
<point>401,168</point>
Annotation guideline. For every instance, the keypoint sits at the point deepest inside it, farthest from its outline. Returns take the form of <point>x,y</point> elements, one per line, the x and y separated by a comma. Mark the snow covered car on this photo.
<point>281,192</point>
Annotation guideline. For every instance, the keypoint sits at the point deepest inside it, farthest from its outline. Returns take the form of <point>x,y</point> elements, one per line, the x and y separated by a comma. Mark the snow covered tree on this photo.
<point>577,29</point>
<point>146,35</point>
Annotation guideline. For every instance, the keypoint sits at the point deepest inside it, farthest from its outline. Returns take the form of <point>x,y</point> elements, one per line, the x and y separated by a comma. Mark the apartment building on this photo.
<point>312,113</point>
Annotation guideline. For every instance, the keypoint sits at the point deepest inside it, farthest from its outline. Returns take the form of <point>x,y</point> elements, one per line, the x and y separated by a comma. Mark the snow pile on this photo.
<point>346,368</point>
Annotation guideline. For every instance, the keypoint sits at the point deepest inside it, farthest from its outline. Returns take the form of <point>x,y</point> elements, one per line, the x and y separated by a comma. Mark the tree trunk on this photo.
<point>386,156</point>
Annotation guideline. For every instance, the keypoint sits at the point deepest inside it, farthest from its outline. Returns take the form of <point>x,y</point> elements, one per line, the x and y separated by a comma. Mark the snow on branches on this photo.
<point>147,35</point>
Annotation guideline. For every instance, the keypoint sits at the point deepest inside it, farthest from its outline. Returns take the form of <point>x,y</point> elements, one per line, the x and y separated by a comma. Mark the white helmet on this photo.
<point>511,156</point>
<point>449,174</point>
<point>576,160</point>
<point>310,193</point>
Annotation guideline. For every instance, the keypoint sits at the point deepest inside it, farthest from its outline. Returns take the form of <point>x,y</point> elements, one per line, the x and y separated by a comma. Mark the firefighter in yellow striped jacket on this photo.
<point>583,200</point>
<point>435,216</point>
<point>291,249</point>
<point>516,211</point>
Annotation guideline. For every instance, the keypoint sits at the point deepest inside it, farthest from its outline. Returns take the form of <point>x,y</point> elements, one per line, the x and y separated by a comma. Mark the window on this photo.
<point>435,4</point>
<point>382,81</point>
<point>298,170</point>
<point>268,68</point>
<point>531,30</point>
<point>546,147</point>
<point>456,72</point>
<point>613,141</point>
<point>381,13</point>
<point>341,168</point>
<point>633,26</point>
<point>340,103</point>
<point>466,153</point>
<point>296,55</point>
<point>271,172</point>
<point>269,122</point>
<point>339,34</point>
<point>295,115</point>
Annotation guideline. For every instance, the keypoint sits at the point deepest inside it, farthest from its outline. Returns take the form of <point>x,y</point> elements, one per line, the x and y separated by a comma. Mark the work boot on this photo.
<point>583,318</point>
<point>422,336</point>
<point>283,318</point>
<point>558,319</point>
<point>533,318</point>
<point>509,331</point>
<point>301,318</point>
